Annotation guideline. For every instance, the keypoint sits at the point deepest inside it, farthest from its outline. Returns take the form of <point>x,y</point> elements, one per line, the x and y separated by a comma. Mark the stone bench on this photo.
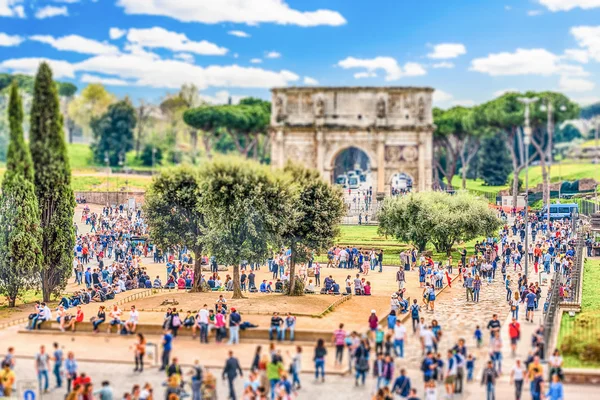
<point>259,333</point>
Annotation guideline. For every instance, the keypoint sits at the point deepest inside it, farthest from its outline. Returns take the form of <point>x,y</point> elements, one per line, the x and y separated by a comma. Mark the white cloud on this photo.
<point>588,37</point>
<point>443,64</point>
<point>11,8</point>
<point>566,5</point>
<point>361,75</point>
<point>77,44</point>
<point>273,54</point>
<point>87,78</point>
<point>525,62</point>
<point>507,8</point>
<point>310,81</point>
<point>447,50</point>
<point>463,103</point>
<point>388,64</point>
<point>236,55</point>
<point>241,34</point>
<point>172,74</point>
<point>250,12</point>
<point>222,97</point>
<point>68,1</point>
<point>576,85</point>
<point>256,61</point>
<point>116,33</point>
<point>586,101</point>
<point>161,38</point>
<point>534,13</point>
<point>10,40</point>
<point>29,66</point>
<point>51,11</point>
<point>577,55</point>
<point>187,57</point>
<point>502,92</point>
<point>439,96</point>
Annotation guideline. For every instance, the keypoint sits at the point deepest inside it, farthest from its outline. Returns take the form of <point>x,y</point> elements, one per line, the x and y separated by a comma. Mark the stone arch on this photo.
<point>408,173</point>
<point>338,148</point>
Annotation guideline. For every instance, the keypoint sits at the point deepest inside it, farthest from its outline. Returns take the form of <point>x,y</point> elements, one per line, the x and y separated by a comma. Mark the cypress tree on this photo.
<point>20,233</point>
<point>495,163</point>
<point>52,179</point>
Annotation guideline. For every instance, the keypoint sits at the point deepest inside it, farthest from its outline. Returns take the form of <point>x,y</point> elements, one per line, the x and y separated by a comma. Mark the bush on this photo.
<point>298,288</point>
<point>146,156</point>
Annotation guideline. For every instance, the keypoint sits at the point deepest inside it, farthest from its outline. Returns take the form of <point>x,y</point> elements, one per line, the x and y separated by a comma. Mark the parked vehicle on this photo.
<point>559,211</point>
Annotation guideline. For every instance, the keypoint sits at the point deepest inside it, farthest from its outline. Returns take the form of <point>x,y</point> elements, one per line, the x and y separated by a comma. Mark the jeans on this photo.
<point>97,323</point>
<point>230,380</point>
<point>139,362</point>
<point>78,277</point>
<point>196,389</point>
<point>318,279</point>
<point>469,293</point>
<point>319,366</point>
<point>489,389</point>
<point>469,374</point>
<point>515,313</point>
<point>203,332</point>
<point>295,378</point>
<point>275,329</point>
<point>234,334</point>
<point>273,383</point>
<point>415,323</point>
<point>399,348</point>
<point>497,359</point>
<point>363,376</point>
<point>33,322</point>
<point>57,374</point>
<point>291,329</point>
<point>508,294</point>
<point>165,359</point>
<point>43,374</point>
<point>476,295</point>
<point>518,389</point>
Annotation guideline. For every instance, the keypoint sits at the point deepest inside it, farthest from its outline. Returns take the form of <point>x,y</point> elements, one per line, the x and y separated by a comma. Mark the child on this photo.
<point>478,336</point>
<point>470,367</point>
<point>430,390</point>
<point>379,341</point>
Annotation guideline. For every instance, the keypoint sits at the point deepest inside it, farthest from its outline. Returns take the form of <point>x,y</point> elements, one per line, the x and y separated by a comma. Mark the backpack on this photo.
<point>414,311</point>
<point>176,321</point>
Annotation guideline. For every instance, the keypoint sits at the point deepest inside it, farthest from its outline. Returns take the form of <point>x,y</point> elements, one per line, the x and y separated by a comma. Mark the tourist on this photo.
<point>106,392</point>
<point>274,371</point>
<point>494,325</point>
<point>339,341</point>
<point>517,375</point>
<point>373,323</point>
<point>57,357</point>
<point>115,318</point>
<point>235,321</point>
<point>290,325</point>
<point>478,336</point>
<point>402,385</point>
<point>220,332</point>
<point>276,325</point>
<point>7,380</point>
<point>496,351</point>
<point>514,332</point>
<point>556,390</point>
<point>231,370</point>
<point>42,364</point>
<point>476,288</point>
<point>555,362</point>
<point>361,355</point>
<point>399,338</point>
<point>450,374</point>
<point>296,368</point>
<point>167,346</point>
<point>202,323</point>
<point>530,299</point>
<point>319,359</point>
<point>488,378</point>
<point>70,370</point>
<point>139,350</point>
<point>414,313</point>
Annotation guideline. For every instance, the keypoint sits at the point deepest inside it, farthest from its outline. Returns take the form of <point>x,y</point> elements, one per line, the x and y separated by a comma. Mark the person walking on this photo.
<point>488,378</point>
<point>234,326</point>
<point>517,375</point>
<point>556,390</point>
<point>58,358</point>
<point>231,370</point>
<point>514,332</point>
<point>70,370</point>
<point>319,359</point>
<point>139,349</point>
<point>42,364</point>
<point>167,346</point>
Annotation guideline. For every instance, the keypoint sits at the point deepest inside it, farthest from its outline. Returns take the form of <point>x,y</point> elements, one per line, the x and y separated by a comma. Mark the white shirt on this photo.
<point>47,314</point>
<point>555,361</point>
<point>203,316</point>
<point>518,373</point>
<point>115,314</point>
<point>134,316</point>
<point>428,337</point>
<point>399,332</point>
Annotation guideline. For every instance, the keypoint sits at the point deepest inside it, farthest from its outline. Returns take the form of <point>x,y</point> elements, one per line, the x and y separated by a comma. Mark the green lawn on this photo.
<point>566,171</point>
<point>477,185</point>
<point>366,237</point>
<point>584,328</point>
<point>80,156</point>
<point>82,183</point>
<point>589,143</point>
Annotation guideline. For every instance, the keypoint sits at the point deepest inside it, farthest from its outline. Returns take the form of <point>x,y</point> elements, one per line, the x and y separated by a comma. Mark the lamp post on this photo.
<point>153,158</point>
<point>107,161</point>
<point>121,167</point>
<point>527,141</point>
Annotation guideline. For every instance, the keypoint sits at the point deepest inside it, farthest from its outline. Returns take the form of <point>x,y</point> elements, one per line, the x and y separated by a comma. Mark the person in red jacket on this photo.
<point>514,332</point>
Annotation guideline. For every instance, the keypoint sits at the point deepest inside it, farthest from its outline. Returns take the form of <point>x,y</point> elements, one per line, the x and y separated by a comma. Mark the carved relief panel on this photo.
<point>395,154</point>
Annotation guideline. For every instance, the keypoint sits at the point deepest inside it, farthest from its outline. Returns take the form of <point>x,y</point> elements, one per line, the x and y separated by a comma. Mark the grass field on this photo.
<point>366,237</point>
<point>97,183</point>
<point>477,185</point>
<point>585,326</point>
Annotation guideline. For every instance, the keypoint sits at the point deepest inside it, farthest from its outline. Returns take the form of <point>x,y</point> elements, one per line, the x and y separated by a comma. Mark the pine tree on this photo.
<point>52,179</point>
<point>20,233</point>
<point>495,162</point>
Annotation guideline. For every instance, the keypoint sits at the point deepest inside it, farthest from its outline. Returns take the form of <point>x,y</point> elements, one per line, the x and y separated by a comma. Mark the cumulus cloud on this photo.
<point>588,37</point>
<point>393,71</point>
<point>567,5</point>
<point>525,62</point>
<point>51,11</point>
<point>577,55</point>
<point>310,81</point>
<point>187,57</point>
<point>439,96</point>
<point>87,78</point>
<point>502,92</point>
<point>77,44</point>
<point>273,54</point>
<point>158,37</point>
<point>443,64</point>
<point>10,40</point>
<point>534,13</point>
<point>256,61</point>
<point>222,97</point>
<point>363,75</point>
<point>567,84</point>
<point>249,12</point>
<point>586,101</point>
<point>12,8</point>
<point>29,66</point>
<point>241,34</point>
<point>447,50</point>
<point>116,33</point>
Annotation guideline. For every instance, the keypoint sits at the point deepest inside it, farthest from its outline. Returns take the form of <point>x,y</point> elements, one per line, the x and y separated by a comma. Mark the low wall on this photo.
<point>113,198</point>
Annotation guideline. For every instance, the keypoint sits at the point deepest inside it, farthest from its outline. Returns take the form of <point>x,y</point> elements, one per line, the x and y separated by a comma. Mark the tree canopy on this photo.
<point>113,132</point>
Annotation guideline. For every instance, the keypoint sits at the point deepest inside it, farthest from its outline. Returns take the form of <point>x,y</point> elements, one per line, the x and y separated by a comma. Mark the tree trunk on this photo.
<point>516,169</point>
<point>46,290</point>
<point>207,146</point>
<point>292,270</point>
<point>237,291</point>
<point>196,286</point>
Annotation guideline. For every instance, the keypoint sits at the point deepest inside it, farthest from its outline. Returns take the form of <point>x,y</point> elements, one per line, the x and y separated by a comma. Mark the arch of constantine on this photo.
<point>393,126</point>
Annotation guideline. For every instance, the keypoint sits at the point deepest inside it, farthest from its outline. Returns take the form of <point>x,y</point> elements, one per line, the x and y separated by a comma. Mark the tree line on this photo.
<point>37,234</point>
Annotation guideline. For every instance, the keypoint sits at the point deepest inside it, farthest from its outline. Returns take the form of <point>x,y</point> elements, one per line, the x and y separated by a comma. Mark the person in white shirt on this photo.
<point>399,338</point>
<point>115,318</point>
<point>517,375</point>
<point>428,338</point>
<point>202,324</point>
<point>133,320</point>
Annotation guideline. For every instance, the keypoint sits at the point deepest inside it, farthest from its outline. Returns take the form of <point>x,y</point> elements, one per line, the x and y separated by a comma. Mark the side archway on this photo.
<point>368,163</point>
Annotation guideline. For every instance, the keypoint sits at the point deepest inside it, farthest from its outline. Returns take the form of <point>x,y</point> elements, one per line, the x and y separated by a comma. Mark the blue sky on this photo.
<point>468,50</point>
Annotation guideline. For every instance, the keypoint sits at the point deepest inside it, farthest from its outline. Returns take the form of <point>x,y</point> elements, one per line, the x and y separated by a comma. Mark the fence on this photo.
<point>565,291</point>
<point>586,207</point>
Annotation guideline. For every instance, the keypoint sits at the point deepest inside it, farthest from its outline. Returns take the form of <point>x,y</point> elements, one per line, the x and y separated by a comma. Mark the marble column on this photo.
<point>320,145</point>
<point>380,162</point>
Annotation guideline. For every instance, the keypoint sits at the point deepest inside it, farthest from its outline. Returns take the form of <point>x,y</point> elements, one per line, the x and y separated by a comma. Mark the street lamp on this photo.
<point>550,109</point>
<point>107,160</point>
<point>527,141</point>
<point>121,170</point>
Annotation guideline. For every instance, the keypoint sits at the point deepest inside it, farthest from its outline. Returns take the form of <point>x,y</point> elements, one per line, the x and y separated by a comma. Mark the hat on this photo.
<point>373,311</point>
<point>232,309</point>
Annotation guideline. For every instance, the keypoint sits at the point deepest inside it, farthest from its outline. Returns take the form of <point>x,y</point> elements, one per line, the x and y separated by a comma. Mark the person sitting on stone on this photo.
<point>157,283</point>
<point>310,287</point>
<point>278,286</point>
